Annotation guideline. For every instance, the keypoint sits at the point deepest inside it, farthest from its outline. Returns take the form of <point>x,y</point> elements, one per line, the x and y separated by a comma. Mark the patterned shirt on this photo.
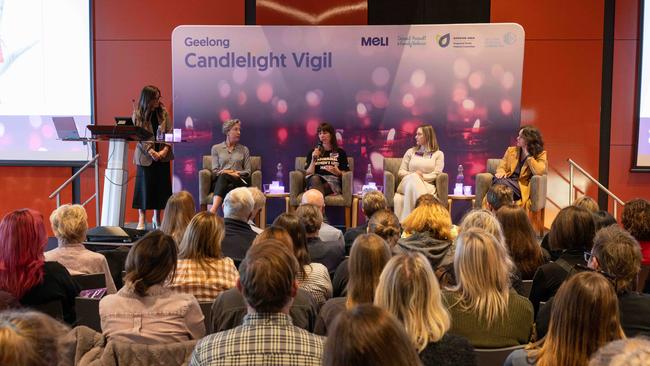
<point>262,339</point>
<point>316,282</point>
<point>205,283</point>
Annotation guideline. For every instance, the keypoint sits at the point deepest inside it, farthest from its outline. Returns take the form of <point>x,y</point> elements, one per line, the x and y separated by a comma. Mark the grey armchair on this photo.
<point>205,179</point>
<point>538,186</point>
<point>297,187</point>
<point>392,180</point>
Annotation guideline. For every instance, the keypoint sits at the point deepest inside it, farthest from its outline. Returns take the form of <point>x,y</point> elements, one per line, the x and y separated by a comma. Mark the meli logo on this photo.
<point>509,38</point>
<point>374,41</point>
<point>443,41</point>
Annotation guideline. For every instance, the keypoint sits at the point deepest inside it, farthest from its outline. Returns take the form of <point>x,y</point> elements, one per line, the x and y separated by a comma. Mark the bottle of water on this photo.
<point>369,178</point>
<point>460,177</point>
<point>160,134</point>
<point>279,176</point>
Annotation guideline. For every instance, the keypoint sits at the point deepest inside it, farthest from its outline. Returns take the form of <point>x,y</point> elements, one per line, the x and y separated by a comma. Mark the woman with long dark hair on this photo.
<point>326,163</point>
<point>520,240</point>
<point>153,185</point>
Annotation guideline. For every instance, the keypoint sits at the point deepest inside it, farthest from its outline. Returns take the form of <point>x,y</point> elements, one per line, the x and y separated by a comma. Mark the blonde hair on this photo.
<point>409,290</point>
<point>587,203</point>
<point>179,210</point>
<point>432,218</point>
<point>482,275</point>
<point>69,224</point>
<point>202,239</point>
<point>430,135</point>
<point>368,256</point>
<point>483,219</point>
<point>259,198</point>
<point>29,338</point>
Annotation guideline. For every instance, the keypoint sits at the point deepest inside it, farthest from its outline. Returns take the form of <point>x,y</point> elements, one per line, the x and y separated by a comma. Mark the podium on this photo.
<point>116,174</point>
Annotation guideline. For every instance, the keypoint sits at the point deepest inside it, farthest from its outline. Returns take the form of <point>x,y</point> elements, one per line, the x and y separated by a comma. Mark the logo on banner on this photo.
<point>443,41</point>
<point>374,41</point>
<point>509,38</point>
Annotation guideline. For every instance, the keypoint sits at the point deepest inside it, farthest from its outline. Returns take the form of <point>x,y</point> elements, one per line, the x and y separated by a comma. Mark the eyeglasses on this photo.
<point>588,256</point>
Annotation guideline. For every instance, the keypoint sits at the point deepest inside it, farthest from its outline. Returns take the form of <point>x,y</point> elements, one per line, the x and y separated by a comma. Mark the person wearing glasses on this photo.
<point>153,184</point>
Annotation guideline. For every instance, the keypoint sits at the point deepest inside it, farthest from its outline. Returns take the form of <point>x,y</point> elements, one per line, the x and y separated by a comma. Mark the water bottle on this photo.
<point>279,176</point>
<point>460,177</point>
<point>369,178</point>
<point>160,134</point>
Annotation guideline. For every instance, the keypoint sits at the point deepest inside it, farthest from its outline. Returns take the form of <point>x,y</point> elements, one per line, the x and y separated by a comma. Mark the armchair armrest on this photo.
<point>256,180</point>
<point>538,192</point>
<point>346,187</point>
<point>442,187</point>
<point>205,182</point>
<point>296,186</point>
<point>389,188</point>
<point>483,184</point>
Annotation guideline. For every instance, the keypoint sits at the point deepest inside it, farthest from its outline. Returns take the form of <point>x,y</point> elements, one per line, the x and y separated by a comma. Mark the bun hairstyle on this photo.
<point>151,261</point>
<point>385,224</point>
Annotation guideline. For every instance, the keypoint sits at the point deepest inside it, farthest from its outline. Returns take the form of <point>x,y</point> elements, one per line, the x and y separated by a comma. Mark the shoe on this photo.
<point>140,227</point>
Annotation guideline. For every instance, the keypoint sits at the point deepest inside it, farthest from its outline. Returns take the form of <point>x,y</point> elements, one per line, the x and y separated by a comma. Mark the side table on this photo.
<point>453,197</point>
<point>273,195</point>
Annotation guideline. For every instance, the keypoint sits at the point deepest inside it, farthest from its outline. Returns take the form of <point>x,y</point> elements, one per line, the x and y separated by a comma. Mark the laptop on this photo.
<point>124,121</point>
<point>66,128</point>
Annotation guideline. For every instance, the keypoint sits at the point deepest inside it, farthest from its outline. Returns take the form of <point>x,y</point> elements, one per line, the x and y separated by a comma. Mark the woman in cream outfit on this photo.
<point>421,165</point>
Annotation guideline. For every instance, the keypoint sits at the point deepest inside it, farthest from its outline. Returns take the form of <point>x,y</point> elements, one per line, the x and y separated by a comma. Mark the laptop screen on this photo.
<point>66,128</point>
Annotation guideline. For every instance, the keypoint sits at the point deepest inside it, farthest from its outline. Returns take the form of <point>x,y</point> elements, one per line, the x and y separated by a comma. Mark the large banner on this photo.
<point>374,84</point>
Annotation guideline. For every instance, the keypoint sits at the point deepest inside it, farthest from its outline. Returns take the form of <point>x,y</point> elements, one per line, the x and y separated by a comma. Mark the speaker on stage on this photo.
<point>114,234</point>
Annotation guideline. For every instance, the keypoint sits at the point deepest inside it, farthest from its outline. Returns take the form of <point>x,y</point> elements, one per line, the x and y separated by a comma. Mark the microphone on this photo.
<point>320,146</point>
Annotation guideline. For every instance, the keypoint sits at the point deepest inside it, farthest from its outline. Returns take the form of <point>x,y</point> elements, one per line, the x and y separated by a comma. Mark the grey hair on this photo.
<point>228,125</point>
<point>258,197</point>
<point>238,204</point>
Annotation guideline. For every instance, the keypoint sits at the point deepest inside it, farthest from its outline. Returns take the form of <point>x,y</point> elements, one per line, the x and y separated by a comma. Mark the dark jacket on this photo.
<point>352,234</point>
<point>550,276</point>
<point>239,237</point>
<point>57,285</point>
<point>325,253</point>
<point>438,252</point>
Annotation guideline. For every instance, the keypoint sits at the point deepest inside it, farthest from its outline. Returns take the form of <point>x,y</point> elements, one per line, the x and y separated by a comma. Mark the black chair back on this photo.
<point>206,308</point>
<point>90,281</point>
<point>87,310</point>
<point>495,356</point>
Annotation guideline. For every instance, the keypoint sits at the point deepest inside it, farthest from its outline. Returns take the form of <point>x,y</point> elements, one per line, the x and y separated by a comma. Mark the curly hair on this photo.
<point>534,142</point>
<point>636,218</point>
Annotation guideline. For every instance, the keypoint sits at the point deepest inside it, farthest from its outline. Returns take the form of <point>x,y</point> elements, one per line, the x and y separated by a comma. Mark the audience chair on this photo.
<point>492,357</point>
<point>52,308</point>
<point>205,179</point>
<point>297,187</point>
<point>90,281</point>
<point>537,193</point>
<point>527,285</point>
<point>392,180</point>
<point>87,311</point>
<point>206,308</point>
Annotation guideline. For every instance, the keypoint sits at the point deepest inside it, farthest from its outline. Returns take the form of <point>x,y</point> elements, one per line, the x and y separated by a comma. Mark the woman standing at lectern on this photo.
<point>153,185</point>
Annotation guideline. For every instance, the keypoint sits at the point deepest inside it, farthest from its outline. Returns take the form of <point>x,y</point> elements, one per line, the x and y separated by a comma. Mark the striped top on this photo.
<point>316,282</point>
<point>205,283</point>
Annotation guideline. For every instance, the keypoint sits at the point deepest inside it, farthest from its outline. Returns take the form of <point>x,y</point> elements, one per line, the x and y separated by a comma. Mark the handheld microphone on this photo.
<point>320,146</point>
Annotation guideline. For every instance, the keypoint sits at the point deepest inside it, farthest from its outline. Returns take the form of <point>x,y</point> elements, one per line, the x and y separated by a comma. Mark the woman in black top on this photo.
<point>24,272</point>
<point>326,163</point>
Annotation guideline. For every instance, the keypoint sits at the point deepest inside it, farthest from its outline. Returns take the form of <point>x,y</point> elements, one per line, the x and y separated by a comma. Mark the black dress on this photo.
<point>153,185</point>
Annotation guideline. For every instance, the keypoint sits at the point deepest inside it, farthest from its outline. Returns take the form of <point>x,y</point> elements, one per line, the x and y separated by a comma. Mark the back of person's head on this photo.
<point>372,202</point>
<point>482,219</point>
<point>587,203</point>
<point>623,352</point>
<point>520,239</point>
<point>311,216</point>
<point>603,219</point>
<point>618,254</point>
<point>202,239</point>
<point>385,224</point>
<point>313,197</point>
<point>22,240</point>
<point>295,227</point>
<point>430,218</point>
<point>238,204</point>
<point>275,232</point>
<point>572,229</point>
<point>29,338</point>
<point>426,199</point>
<point>636,218</point>
<point>368,256</point>
<point>584,317</point>
<point>259,198</point>
<point>268,276</point>
<point>409,290</point>
<point>151,261</point>
<point>481,266</point>
<point>368,335</point>
<point>69,224</point>
<point>499,195</point>
<point>179,210</point>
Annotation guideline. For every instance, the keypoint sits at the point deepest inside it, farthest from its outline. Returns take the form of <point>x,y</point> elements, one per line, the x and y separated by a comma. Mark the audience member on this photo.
<point>368,335</point>
<point>636,220</point>
<point>572,233</point>
<point>603,219</point>
<point>267,336</point>
<point>584,318</point>
<point>483,307</point>
<point>427,229</point>
<point>237,208</point>
<point>371,202</point>
<point>275,232</point>
<point>327,233</point>
<point>617,254</point>
<point>623,352</point>
<point>369,255</point>
<point>25,274</point>
<point>201,269</point>
<point>587,203</point>
<point>260,201</point>
<point>320,252</point>
<point>144,310</point>
<point>520,240</point>
<point>179,210</point>
<point>312,277</point>
<point>408,289</point>
<point>29,338</point>
<point>8,301</point>
<point>69,224</point>
<point>426,199</point>
<point>497,196</point>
